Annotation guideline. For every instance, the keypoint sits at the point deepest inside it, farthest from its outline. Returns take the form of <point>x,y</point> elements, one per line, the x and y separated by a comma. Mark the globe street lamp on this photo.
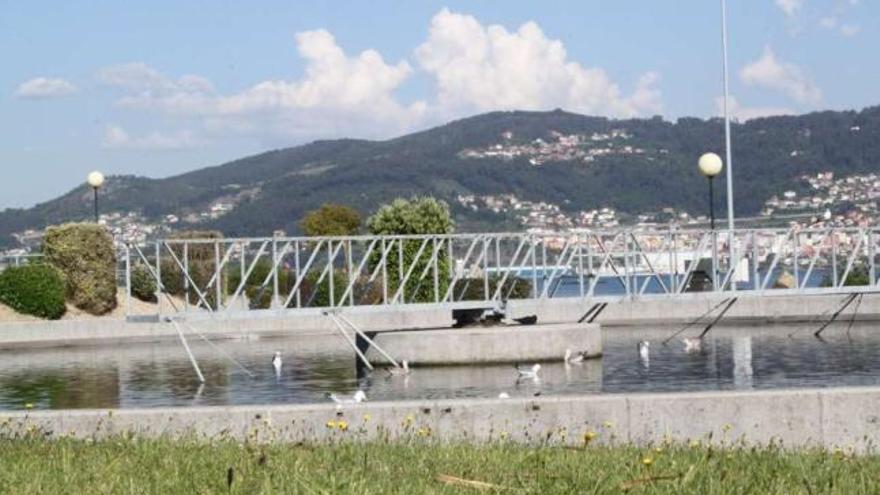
<point>710,165</point>
<point>96,180</point>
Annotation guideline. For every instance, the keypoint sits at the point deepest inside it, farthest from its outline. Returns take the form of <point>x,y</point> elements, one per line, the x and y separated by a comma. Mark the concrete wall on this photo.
<point>101,331</point>
<point>842,417</point>
<point>645,311</point>
<point>499,344</point>
<point>653,310</point>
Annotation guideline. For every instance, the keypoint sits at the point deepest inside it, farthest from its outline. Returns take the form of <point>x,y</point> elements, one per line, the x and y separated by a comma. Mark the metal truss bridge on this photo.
<point>282,275</point>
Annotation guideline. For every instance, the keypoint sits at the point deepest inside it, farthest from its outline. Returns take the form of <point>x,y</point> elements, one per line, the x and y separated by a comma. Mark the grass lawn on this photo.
<point>35,465</point>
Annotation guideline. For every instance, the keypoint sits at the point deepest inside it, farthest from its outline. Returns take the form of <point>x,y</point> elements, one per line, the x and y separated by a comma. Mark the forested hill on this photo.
<point>575,161</point>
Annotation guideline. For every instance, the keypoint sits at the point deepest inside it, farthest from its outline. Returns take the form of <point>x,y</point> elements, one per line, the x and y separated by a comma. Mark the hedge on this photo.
<point>36,290</point>
<point>143,284</point>
<point>86,257</point>
<point>200,261</point>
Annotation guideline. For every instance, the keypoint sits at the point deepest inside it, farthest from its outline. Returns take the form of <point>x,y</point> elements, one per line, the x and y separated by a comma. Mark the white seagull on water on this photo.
<point>531,372</point>
<point>403,370</point>
<point>276,363</point>
<point>644,350</point>
<point>357,398</point>
<point>574,357</point>
<point>692,344</point>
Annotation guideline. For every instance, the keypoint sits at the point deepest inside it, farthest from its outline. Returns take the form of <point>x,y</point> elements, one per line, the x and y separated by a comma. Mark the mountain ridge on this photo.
<point>526,154</point>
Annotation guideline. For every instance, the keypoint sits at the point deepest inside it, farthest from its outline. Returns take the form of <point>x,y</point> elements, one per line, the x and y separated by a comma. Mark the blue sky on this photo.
<point>158,88</point>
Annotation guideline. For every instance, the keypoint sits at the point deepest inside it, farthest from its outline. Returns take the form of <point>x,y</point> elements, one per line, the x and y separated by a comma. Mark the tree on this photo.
<point>416,216</point>
<point>331,220</point>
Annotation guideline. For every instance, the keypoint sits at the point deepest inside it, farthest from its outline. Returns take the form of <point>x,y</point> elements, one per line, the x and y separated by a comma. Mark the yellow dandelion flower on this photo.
<point>367,417</point>
<point>342,425</point>
<point>28,406</point>
<point>647,461</point>
<point>608,424</point>
<point>331,424</point>
<point>658,450</point>
<point>424,431</point>
<point>589,436</point>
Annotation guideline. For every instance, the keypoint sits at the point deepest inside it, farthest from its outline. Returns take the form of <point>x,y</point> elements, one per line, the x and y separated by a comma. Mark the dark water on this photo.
<point>160,375</point>
<point>570,285</point>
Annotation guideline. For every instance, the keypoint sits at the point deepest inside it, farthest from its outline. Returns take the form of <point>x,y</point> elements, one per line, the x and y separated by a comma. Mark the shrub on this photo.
<point>200,261</point>
<point>143,284</point>
<point>472,289</point>
<point>36,290</point>
<point>86,257</point>
<point>416,216</point>
<point>331,219</point>
<point>260,296</point>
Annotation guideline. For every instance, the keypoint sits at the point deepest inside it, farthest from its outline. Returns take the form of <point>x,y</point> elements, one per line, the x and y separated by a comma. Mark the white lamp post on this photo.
<point>96,180</point>
<point>711,165</point>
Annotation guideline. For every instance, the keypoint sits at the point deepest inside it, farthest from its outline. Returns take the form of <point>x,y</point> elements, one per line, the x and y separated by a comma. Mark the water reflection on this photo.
<point>160,374</point>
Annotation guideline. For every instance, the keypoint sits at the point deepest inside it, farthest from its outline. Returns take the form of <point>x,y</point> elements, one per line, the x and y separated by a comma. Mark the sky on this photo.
<point>163,87</point>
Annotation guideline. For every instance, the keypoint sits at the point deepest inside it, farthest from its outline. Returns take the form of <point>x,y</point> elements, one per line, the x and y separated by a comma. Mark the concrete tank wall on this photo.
<point>498,344</point>
<point>834,417</point>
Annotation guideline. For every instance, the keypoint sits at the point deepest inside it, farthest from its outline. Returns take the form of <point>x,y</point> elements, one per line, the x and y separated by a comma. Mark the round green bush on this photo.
<point>36,290</point>
<point>86,257</point>
<point>143,284</point>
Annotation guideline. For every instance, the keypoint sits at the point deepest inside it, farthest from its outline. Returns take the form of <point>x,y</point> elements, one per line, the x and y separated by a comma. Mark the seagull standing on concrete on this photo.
<point>276,363</point>
<point>531,372</point>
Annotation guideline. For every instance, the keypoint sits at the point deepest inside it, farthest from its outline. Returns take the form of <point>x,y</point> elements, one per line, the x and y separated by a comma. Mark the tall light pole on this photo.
<point>728,154</point>
<point>710,165</point>
<point>96,180</point>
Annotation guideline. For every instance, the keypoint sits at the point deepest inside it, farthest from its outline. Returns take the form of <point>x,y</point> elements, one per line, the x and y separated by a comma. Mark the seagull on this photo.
<point>574,358</point>
<point>401,371</point>
<point>644,350</point>
<point>357,398</point>
<point>529,372</point>
<point>692,344</point>
<point>276,362</point>
<point>503,395</point>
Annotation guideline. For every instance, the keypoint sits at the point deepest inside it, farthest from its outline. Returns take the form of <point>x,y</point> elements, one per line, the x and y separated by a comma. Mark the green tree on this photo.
<point>415,216</point>
<point>330,220</point>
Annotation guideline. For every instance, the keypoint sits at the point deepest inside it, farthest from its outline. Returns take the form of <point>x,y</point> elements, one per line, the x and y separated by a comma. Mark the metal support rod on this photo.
<point>369,340</point>
<point>852,297</point>
<point>219,350</point>
<point>695,321</point>
<point>718,318</point>
<point>97,217</point>
<point>350,341</point>
<point>192,359</point>
<point>727,146</point>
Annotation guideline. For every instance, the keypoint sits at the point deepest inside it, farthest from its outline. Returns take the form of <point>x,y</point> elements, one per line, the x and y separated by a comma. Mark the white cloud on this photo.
<point>790,7</point>
<point>116,137</point>
<point>850,30</point>
<point>44,88</point>
<point>833,23</point>
<point>769,72</point>
<point>829,22</point>
<point>743,113</point>
<point>338,94</point>
<point>479,67</point>
<point>475,67</point>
